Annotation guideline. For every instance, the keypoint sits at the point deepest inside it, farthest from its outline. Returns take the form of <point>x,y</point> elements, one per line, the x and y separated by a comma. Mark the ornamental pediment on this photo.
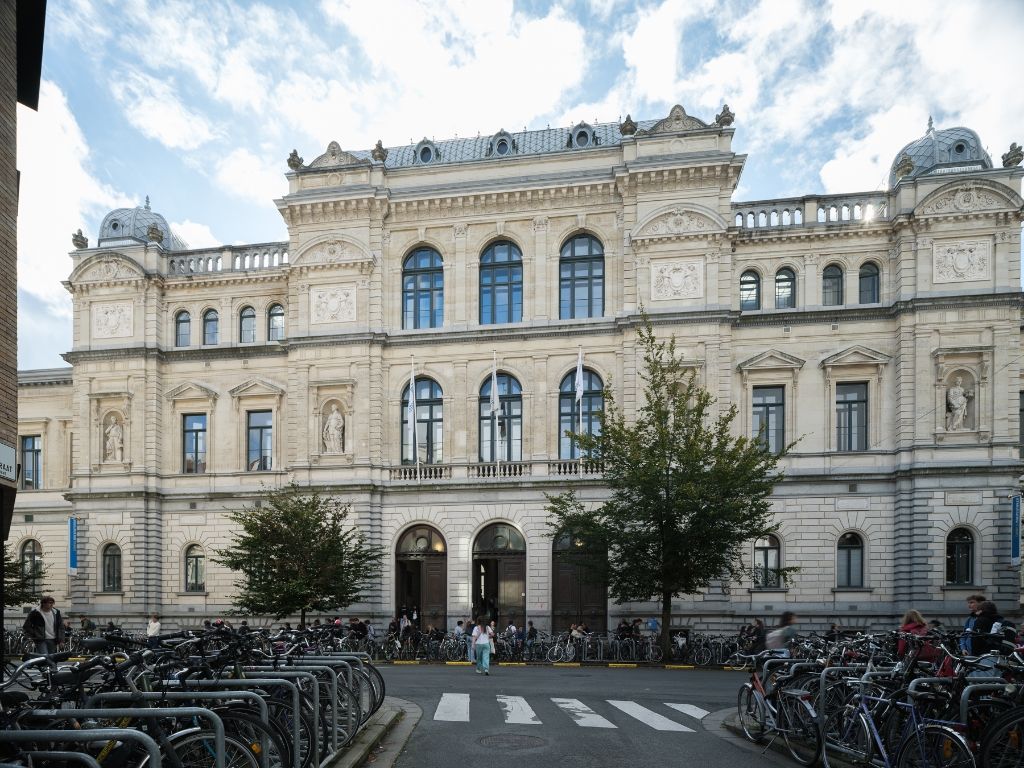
<point>678,221</point>
<point>676,122</point>
<point>255,388</point>
<point>334,252</point>
<point>969,197</point>
<point>771,360</point>
<point>856,355</point>
<point>191,390</point>
<point>336,157</point>
<point>105,268</point>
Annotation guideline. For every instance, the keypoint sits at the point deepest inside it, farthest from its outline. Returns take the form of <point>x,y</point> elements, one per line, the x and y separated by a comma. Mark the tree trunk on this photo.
<point>666,619</point>
<point>302,617</point>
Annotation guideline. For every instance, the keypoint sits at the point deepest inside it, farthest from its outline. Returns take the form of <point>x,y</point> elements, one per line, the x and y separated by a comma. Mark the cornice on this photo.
<point>273,349</point>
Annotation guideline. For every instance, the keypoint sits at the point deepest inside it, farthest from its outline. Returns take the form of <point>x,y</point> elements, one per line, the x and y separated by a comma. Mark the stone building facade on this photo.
<point>882,329</point>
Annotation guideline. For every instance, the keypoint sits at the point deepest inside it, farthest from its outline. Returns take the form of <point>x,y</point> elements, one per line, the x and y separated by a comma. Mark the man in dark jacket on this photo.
<point>45,626</point>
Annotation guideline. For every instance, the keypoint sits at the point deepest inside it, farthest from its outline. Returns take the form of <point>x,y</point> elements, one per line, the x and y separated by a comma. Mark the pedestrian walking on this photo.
<point>482,639</point>
<point>153,631</point>
<point>45,626</point>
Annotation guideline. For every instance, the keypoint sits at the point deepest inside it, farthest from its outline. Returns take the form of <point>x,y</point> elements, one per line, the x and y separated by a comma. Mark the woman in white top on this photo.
<point>482,645</point>
<point>153,631</point>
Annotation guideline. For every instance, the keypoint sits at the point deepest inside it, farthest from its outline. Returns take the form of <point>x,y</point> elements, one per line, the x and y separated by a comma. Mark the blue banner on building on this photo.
<point>73,546</point>
<point>1015,531</point>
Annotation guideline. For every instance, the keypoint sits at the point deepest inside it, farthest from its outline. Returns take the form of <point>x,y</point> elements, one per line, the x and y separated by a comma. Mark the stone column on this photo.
<point>539,273</point>
<point>459,297</point>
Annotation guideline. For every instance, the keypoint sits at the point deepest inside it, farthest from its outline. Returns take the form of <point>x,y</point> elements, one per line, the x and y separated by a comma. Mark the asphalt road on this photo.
<point>565,717</point>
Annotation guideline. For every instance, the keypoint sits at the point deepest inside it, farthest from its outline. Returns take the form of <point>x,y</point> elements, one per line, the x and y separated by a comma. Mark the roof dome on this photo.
<point>951,150</point>
<point>128,226</point>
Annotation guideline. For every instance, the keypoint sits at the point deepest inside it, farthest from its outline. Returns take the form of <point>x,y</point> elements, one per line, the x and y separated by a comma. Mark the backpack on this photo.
<point>776,639</point>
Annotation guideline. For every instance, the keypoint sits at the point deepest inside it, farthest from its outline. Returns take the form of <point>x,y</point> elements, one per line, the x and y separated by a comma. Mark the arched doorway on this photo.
<point>499,574</point>
<point>577,594</point>
<point>421,576</point>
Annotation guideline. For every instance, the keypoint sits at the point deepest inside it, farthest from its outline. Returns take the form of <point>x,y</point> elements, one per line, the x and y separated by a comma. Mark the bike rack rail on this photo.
<point>76,737</point>
<point>79,757</point>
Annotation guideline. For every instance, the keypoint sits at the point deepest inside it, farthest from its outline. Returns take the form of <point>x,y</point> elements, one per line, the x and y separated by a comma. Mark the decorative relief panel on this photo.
<point>113,320</point>
<point>109,269</point>
<point>677,279</point>
<point>961,260</point>
<point>677,222</point>
<point>964,199</point>
<point>333,304</point>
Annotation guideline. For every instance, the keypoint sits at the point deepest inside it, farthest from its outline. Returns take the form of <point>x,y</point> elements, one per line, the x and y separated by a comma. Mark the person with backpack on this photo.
<point>780,637</point>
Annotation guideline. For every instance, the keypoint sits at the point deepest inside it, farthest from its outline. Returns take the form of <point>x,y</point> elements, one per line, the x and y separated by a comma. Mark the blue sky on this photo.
<point>197,104</point>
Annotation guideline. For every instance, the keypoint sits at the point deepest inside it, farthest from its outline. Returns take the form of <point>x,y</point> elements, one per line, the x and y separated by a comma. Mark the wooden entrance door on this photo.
<point>421,576</point>
<point>576,596</point>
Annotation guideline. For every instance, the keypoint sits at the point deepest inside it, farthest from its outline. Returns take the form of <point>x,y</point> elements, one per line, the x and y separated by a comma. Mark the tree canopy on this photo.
<point>298,552</point>
<point>687,494</point>
<point>21,588</point>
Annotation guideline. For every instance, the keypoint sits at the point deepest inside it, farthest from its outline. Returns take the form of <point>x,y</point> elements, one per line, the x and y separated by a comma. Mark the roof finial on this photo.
<point>931,127</point>
<point>147,202</point>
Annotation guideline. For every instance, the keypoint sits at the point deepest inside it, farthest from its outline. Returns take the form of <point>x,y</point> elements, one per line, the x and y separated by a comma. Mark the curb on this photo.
<point>369,737</point>
<point>589,664</point>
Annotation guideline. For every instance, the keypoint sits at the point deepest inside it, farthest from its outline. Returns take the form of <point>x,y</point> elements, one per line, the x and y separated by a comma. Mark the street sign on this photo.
<point>73,546</point>
<point>1015,530</point>
<point>8,463</point>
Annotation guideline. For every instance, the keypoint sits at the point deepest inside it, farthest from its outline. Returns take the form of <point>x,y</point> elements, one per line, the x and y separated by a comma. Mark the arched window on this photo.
<point>501,284</point>
<point>750,291</point>
<point>195,569</point>
<point>767,559</point>
<point>501,430</point>
<point>868,278</point>
<point>422,540</point>
<point>785,289</point>
<point>32,565</point>
<point>275,323</point>
<point>569,410</point>
<point>960,557</point>
<point>581,278</point>
<point>850,561</point>
<point>423,290</point>
<point>211,327</point>
<point>832,286</point>
<point>429,423</point>
<point>247,325</point>
<point>182,329</point>
<point>110,568</point>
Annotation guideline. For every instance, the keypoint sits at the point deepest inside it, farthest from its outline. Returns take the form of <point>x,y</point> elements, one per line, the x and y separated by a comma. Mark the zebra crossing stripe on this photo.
<point>649,717</point>
<point>689,709</point>
<point>582,714</point>
<point>517,711</point>
<point>453,707</point>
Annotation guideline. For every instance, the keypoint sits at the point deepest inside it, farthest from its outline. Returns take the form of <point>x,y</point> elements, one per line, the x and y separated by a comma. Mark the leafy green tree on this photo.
<point>298,552</point>
<point>687,495</point>
<point>21,588</point>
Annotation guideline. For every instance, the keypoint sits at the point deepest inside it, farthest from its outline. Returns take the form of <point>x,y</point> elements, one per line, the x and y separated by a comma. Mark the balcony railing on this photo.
<point>822,210</point>
<point>241,258</point>
<point>493,470</point>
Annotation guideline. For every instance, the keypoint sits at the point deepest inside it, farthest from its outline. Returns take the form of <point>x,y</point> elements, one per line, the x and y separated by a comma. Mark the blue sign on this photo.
<point>73,546</point>
<point>1015,531</point>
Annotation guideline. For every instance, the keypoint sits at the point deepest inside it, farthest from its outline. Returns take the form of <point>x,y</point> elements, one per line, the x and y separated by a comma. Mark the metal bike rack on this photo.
<point>313,670</point>
<point>966,696</point>
<point>76,737</point>
<point>75,757</point>
<point>142,713</point>
<point>296,675</point>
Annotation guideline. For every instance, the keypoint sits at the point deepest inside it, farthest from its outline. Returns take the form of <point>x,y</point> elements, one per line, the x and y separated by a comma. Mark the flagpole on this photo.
<point>579,403</point>
<point>495,401</point>
<point>413,438</point>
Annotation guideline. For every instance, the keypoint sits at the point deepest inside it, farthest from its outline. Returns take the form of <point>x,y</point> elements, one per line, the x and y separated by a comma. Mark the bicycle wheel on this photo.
<point>197,750</point>
<point>935,746</point>
<point>260,737</point>
<point>800,729</point>
<point>554,654</point>
<point>1003,742</point>
<point>750,710</point>
<point>702,656</point>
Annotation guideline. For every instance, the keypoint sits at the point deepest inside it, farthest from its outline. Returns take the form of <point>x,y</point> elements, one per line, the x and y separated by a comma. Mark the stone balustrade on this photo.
<point>812,211</point>
<point>244,258</point>
<point>488,470</point>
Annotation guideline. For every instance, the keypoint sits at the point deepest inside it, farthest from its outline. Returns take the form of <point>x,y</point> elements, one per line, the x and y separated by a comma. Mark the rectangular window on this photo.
<point>770,416</point>
<point>31,462</point>
<point>852,417</point>
<point>193,443</point>
<point>260,441</point>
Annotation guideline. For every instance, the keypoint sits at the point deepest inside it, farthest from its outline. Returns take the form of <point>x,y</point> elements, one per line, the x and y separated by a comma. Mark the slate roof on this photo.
<point>935,152</point>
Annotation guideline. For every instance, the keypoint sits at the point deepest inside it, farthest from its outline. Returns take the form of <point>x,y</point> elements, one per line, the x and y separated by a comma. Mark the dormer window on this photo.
<point>502,144</point>
<point>426,152</point>
<point>115,225</point>
<point>960,148</point>
<point>503,147</point>
<point>581,136</point>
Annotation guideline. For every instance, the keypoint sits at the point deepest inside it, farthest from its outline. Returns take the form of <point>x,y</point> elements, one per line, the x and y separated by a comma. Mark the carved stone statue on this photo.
<point>1014,156</point>
<point>379,153</point>
<point>294,161</point>
<point>155,234</point>
<point>334,431</point>
<point>114,448</point>
<point>956,405</point>
<point>79,240</point>
<point>726,117</point>
<point>627,127</point>
<point>904,167</point>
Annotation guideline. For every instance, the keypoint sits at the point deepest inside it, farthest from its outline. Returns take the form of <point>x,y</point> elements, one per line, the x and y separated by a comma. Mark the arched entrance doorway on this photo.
<point>421,576</point>
<point>499,574</point>
<point>577,595</point>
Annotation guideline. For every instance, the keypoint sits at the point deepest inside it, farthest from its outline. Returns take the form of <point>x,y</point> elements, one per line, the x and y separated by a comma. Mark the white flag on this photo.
<point>495,401</point>
<point>579,376</point>
<point>411,413</point>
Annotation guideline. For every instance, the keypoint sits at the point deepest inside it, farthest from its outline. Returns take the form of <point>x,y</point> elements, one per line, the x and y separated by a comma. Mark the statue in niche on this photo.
<point>334,431</point>
<point>114,448</point>
<point>957,400</point>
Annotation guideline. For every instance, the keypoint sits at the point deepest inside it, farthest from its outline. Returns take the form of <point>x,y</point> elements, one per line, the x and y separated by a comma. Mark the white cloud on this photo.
<point>153,107</point>
<point>195,235</point>
<point>58,195</point>
<point>246,175</point>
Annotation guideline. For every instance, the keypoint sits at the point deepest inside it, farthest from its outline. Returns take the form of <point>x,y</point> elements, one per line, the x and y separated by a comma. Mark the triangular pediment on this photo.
<point>771,360</point>
<point>856,355</point>
<point>254,387</point>
<point>191,390</point>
